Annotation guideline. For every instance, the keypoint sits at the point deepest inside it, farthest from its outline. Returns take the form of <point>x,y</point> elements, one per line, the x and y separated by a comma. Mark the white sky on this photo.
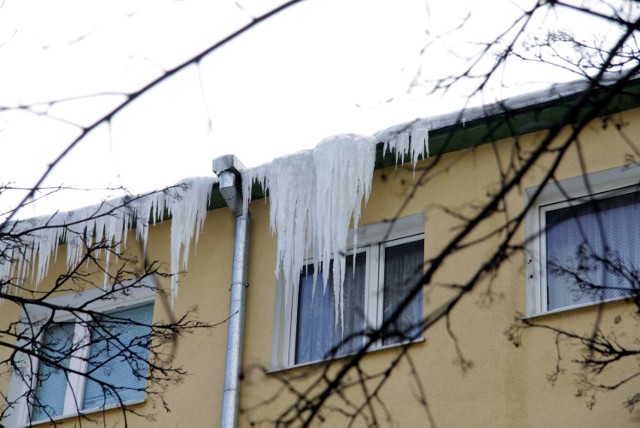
<point>323,67</point>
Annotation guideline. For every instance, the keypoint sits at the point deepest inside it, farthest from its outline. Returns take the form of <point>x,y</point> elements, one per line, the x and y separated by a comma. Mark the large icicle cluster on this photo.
<point>108,222</point>
<point>315,195</point>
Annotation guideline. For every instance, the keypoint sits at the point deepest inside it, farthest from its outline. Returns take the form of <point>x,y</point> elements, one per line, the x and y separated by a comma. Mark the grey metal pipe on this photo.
<point>239,282</point>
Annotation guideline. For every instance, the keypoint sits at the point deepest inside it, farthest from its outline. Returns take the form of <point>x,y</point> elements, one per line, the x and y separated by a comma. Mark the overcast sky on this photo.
<point>321,68</point>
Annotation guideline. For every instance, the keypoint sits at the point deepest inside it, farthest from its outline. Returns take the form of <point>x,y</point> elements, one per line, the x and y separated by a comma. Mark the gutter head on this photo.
<point>227,163</point>
<point>228,169</point>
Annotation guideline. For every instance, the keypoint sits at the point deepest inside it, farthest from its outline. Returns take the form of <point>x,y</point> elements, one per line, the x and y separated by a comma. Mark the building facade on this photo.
<point>454,256</point>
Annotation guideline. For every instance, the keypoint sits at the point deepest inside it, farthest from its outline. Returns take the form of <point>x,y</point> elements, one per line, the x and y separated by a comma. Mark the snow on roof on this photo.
<point>535,99</point>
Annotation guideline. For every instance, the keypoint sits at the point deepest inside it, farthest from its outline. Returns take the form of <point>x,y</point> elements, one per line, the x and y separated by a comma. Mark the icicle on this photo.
<point>189,210</point>
<point>109,222</point>
<point>344,172</point>
<point>289,209</point>
<point>314,196</point>
<point>413,142</point>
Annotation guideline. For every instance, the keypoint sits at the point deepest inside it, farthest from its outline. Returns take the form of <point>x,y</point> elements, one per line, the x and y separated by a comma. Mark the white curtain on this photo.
<point>402,270</point>
<point>319,334</point>
<point>593,251</point>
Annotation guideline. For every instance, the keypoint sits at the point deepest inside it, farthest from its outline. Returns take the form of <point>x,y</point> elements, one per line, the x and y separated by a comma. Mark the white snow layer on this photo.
<point>315,195</point>
<point>109,222</point>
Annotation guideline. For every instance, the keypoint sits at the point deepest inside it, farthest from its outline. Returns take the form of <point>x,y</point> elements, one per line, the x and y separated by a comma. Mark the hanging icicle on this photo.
<point>315,195</point>
<point>413,142</point>
<point>108,222</point>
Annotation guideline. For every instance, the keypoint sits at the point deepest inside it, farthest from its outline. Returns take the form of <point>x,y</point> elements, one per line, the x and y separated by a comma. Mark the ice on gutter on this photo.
<point>314,197</point>
<point>108,223</point>
<point>399,133</point>
<point>411,140</point>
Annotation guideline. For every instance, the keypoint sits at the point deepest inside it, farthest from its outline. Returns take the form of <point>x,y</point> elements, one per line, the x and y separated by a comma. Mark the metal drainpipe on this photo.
<point>228,168</point>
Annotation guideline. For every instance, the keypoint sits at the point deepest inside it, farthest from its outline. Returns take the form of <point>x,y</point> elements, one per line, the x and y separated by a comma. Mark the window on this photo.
<point>376,282</point>
<point>112,350</point>
<point>584,245</point>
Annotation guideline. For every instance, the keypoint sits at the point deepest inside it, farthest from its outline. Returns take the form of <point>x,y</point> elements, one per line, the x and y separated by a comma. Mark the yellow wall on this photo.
<point>497,385</point>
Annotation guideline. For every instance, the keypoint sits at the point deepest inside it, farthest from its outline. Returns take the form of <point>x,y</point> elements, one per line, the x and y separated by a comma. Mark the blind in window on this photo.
<point>118,358</point>
<point>51,380</point>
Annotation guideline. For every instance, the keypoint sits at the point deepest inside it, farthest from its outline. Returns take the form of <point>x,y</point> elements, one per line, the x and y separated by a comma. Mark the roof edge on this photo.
<point>518,115</point>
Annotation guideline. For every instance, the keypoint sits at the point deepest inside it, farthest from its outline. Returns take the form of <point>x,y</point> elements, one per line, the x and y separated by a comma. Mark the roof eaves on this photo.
<point>511,117</point>
<point>514,116</point>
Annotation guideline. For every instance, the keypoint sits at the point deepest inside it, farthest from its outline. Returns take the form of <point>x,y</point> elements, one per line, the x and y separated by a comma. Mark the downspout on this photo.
<point>228,170</point>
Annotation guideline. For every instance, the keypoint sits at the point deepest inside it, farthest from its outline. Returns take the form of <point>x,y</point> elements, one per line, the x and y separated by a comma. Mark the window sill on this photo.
<point>575,307</point>
<point>58,419</point>
<point>331,360</point>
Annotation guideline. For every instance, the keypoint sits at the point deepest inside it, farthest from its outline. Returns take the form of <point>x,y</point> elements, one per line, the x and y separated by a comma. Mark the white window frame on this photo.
<point>372,240</point>
<point>133,296</point>
<point>557,195</point>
